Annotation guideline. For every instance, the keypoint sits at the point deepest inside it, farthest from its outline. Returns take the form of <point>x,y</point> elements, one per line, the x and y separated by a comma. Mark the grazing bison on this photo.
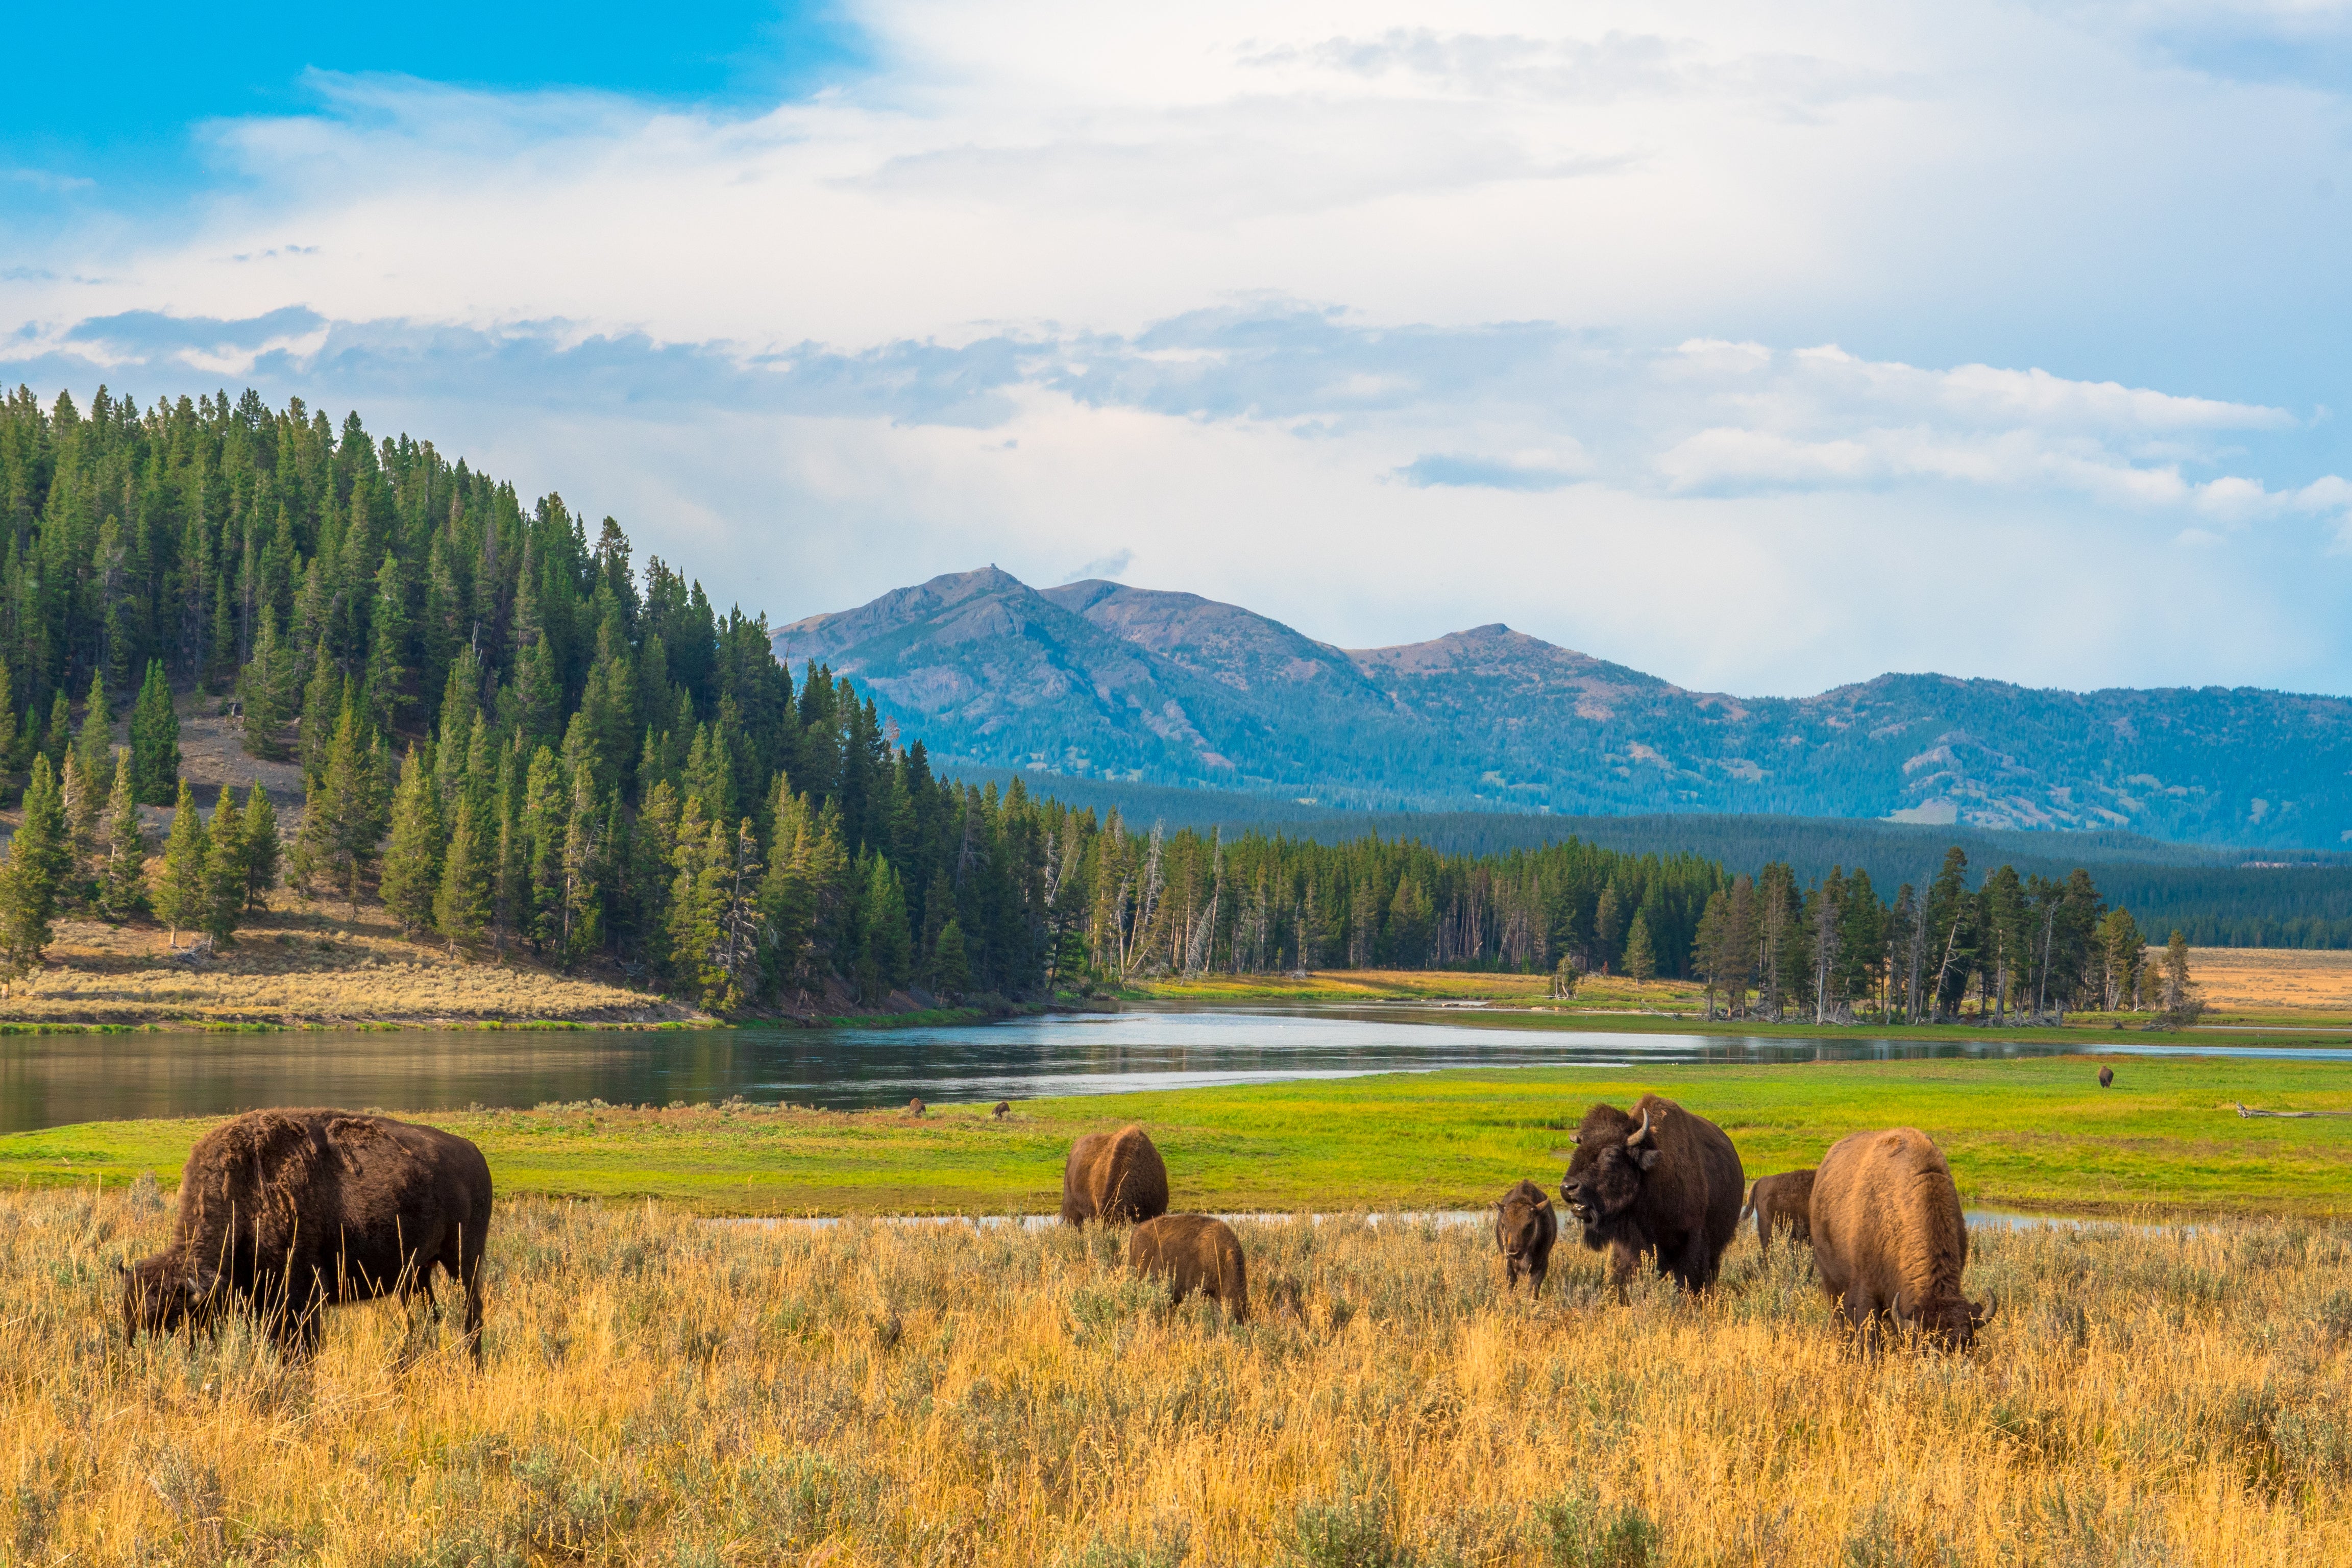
<point>1003,1109</point>
<point>290,1212</point>
<point>1889,1242</point>
<point>1662,1181</point>
<point>1114,1177</point>
<point>914,1107</point>
<point>2106,1077</point>
<point>1195,1252</point>
<point>1784,1202</point>
<point>1525,1228</point>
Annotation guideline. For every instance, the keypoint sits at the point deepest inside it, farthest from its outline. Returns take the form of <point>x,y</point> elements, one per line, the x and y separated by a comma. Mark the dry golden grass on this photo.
<point>2255,980</point>
<point>307,963</point>
<point>659,1391</point>
<point>1600,991</point>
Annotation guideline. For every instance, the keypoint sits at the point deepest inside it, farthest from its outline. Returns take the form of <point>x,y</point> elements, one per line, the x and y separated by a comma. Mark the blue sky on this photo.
<point>1764,351</point>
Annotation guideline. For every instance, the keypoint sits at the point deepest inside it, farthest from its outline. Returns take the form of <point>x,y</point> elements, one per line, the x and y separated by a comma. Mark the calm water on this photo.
<point>49,1081</point>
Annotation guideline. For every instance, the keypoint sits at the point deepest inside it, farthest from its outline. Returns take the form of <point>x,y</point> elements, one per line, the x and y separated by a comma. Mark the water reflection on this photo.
<point>51,1080</point>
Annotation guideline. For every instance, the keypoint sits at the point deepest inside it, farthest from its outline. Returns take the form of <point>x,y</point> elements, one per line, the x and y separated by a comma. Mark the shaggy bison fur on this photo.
<point>1784,1202</point>
<point>1116,1177</point>
<point>1193,1252</point>
<point>2106,1077</point>
<point>290,1212</point>
<point>1660,1181</point>
<point>1525,1228</point>
<point>1889,1242</point>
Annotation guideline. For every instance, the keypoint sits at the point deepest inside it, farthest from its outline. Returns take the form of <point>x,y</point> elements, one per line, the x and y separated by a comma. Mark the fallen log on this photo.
<point>2245,1109</point>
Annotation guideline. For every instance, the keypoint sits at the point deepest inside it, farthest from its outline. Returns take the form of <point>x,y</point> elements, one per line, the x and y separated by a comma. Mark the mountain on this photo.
<point>1100,680</point>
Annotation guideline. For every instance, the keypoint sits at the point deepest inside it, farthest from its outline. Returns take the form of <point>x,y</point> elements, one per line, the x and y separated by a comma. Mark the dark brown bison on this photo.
<point>1661,1181</point>
<point>1784,1202</point>
<point>914,1107</point>
<point>1525,1228</point>
<point>1114,1177</point>
<point>1003,1109</point>
<point>1194,1252</point>
<point>1889,1242</point>
<point>290,1212</point>
<point>2106,1077</point>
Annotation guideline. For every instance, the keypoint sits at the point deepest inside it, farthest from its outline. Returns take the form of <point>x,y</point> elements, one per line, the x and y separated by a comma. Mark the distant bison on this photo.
<point>1193,1252</point>
<point>1668,1182</point>
<point>1003,1109</point>
<point>290,1212</point>
<point>1525,1228</point>
<point>1889,1241</point>
<point>1782,1203</point>
<point>914,1107</point>
<point>1114,1177</point>
<point>2106,1077</point>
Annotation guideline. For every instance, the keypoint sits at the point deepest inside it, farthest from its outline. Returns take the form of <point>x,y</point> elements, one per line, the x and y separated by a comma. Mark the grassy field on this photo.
<point>658,1392</point>
<point>2286,984</point>
<point>2035,1133</point>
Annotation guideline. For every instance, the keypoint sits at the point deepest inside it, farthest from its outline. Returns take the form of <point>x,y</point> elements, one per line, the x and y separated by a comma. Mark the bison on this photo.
<point>2106,1077</point>
<point>1525,1228</point>
<point>1662,1182</point>
<point>290,1212</point>
<point>1114,1177</point>
<point>1003,1109</point>
<point>1194,1252</point>
<point>1784,1202</point>
<point>1889,1242</point>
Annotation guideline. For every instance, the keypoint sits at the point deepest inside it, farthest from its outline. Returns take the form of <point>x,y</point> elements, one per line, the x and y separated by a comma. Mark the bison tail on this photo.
<point>1748,1207</point>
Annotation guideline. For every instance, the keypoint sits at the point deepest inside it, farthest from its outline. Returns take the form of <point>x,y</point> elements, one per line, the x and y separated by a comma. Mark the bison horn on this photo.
<point>1985,1310</point>
<point>1643,1133</point>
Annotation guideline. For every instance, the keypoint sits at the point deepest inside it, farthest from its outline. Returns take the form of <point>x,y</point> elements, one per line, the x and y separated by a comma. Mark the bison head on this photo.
<point>1519,1223</point>
<point>1955,1320</point>
<point>1605,1176</point>
<point>159,1295</point>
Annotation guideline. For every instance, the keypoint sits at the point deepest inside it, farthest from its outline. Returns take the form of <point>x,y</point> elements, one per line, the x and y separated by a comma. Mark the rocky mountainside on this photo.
<point>1097,679</point>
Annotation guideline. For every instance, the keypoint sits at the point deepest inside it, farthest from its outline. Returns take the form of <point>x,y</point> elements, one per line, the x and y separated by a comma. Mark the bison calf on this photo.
<point>1525,1228</point>
<point>1193,1252</point>
<point>1116,1177</point>
<point>1784,1202</point>
<point>290,1212</point>
<point>1889,1240</point>
<point>1668,1185</point>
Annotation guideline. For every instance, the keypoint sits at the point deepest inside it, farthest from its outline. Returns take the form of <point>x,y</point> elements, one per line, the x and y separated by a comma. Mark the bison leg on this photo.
<point>466,1269</point>
<point>1623,1261</point>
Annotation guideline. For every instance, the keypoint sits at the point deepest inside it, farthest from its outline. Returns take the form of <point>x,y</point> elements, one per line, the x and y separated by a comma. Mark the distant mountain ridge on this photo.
<point>1096,679</point>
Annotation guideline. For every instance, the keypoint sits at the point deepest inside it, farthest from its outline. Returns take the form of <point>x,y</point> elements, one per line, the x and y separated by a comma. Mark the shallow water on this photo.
<point>51,1080</point>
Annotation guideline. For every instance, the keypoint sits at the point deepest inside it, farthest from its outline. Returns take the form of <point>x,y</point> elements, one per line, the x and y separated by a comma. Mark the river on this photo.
<point>55,1080</point>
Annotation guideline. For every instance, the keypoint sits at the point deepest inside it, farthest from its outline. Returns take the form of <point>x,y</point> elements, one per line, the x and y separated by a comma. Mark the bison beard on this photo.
<point>289,1212</point>
<point>1525,1228</point>
<point>1669,1185</point>
<point>1889,1239</point>
<point>1114,1177</point>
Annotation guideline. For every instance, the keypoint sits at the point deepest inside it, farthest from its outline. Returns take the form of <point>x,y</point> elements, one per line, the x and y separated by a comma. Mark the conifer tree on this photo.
<point>182,898</point>
<point>583,865</point>
<point>950,972</point>
<point>39,859</point>
<point>265,691</point>
<point>58,738</point>
<point>1640,958</point>
<point>323,699</point>
<point>412,865</point>
<point>95,741</point>
<point>123,881</point>
<point>544,800</point>
<point>387,675</point>
<point>262,847</point>
<point>461,906</point>
<point>155,739</point>
<point>342,814</point>
<point>80,792</point>
<point>224,871</point>
<point>8,728</point>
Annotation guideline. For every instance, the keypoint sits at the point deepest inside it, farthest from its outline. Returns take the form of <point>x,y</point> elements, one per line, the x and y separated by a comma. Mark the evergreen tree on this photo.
<point>461,907</point>
<point>266,693</point>
<point>2184,1003</point>
<point>9,731</point>
<point>95,742</point>
<point>181,897</point>
<point>323,701</point>
<point>58,738</point>
<point>387,673</point>
<point>224,871</point>
<point>155,739</point>
<point>886,963</point>
<point>1640,960</point>
<point>412,866</point>
<point>342,813</point>
<point>123,881</point>
<point>583,864</point>
<point>262,847</point>
<point>80,792</point>
<point>39,859</point>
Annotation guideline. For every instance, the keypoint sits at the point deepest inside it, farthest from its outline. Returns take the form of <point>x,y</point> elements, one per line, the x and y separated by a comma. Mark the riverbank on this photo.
<point>2037,1134</point>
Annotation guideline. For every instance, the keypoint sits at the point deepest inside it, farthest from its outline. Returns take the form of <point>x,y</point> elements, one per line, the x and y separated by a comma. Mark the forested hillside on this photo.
<point>1098,680</point>
<point>511,733</point>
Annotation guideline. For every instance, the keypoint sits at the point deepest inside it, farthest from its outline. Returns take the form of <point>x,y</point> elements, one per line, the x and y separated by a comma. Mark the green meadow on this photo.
<point>2031,1134</point>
